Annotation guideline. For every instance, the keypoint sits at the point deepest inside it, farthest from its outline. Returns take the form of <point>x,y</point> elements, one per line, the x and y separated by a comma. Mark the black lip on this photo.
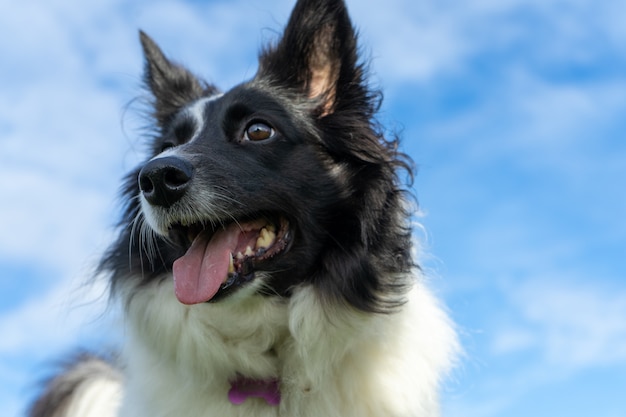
<point>235,281</point>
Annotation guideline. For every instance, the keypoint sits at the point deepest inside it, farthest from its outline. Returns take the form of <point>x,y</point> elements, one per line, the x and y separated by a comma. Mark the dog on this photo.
<point>265,259</point>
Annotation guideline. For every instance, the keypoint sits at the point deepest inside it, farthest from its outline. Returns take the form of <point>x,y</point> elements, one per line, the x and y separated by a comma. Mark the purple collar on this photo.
<point>242,388</point>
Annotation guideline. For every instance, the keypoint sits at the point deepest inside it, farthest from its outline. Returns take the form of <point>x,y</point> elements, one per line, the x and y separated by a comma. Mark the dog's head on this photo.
<point>278,182</point>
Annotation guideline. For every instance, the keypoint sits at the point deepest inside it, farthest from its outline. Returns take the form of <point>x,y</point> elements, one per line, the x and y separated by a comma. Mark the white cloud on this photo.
<point>49,324</point>
<point>574,326</point>
<point>61,156</point>
<point>44,330</point>
<point>513,340</point>
<point>422,41</point>
<point>546,334</point>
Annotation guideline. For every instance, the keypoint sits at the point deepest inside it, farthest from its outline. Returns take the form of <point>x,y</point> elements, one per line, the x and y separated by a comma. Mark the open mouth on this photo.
<point>219,261</point>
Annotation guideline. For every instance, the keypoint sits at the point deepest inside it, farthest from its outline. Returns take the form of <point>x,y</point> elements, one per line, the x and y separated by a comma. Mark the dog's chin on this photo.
<point>222,256</point>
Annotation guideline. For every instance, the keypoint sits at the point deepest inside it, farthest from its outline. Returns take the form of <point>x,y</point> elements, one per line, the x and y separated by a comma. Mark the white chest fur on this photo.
<point>330,361</point>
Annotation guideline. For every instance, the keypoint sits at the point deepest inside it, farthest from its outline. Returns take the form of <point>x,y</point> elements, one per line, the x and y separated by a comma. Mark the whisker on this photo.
<point>136,226</point>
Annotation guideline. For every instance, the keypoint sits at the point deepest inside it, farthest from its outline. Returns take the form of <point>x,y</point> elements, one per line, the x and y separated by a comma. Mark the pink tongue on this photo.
<point>199,273</point>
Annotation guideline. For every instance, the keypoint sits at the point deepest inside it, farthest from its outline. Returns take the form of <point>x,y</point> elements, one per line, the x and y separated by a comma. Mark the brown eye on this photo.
<point>258,131</point>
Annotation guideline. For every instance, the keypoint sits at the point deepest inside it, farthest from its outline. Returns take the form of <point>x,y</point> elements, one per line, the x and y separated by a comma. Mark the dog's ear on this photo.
<point>172,85</point>
<point>317,54</point>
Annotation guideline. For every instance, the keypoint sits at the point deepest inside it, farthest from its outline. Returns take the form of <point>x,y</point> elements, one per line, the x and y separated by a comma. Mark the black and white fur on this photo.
<point>340,316</point>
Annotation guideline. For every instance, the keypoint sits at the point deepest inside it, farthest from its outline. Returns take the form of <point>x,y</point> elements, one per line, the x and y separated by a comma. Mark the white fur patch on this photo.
<point>196,111</point>
<point>336,362</point>
<point>99,397</point>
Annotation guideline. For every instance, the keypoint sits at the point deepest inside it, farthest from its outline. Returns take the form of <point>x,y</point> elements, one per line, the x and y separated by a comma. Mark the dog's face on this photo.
<point>227,185</point>
<point>278,182</point>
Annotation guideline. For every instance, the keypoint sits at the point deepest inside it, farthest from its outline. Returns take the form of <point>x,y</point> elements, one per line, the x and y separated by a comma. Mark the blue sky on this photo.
<point>515,112</point>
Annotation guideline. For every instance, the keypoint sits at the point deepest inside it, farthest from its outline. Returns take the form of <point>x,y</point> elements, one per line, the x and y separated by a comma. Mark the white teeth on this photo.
<point>231,265</point>
<point>266,237</point>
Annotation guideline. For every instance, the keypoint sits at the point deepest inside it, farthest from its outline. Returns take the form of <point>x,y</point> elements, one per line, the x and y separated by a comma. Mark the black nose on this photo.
<point>164,181</point>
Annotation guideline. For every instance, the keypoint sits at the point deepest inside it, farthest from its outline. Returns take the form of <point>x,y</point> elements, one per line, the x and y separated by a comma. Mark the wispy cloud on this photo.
<point>68,308</point>
<point>42,330</point>
<point>573,325</point>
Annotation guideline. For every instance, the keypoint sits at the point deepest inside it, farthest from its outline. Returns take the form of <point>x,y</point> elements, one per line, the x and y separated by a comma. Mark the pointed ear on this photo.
<point>316,55</point>
<point>172,85</point>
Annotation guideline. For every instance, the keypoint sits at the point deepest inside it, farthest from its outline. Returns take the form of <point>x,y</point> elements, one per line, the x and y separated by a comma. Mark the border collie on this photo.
<point>264,260</point>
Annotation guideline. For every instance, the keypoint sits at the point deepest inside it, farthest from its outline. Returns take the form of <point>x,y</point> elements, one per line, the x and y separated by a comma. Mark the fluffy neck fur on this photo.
<point>341,363</point>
